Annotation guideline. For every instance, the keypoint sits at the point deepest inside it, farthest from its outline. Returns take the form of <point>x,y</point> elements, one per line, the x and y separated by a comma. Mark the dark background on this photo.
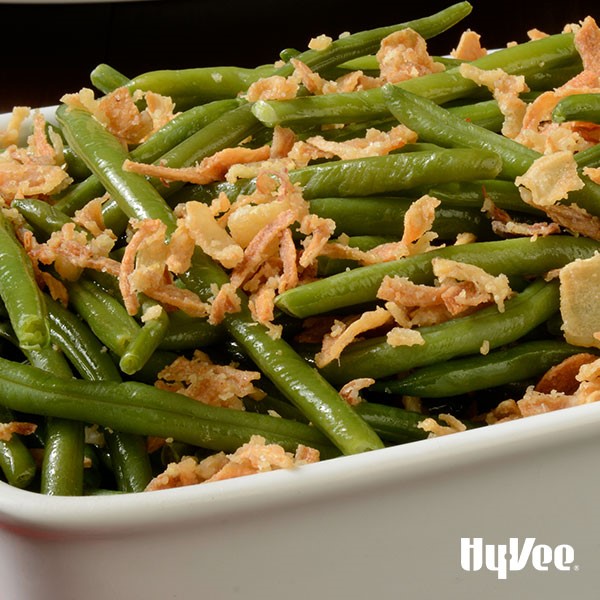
<point>49,49</point>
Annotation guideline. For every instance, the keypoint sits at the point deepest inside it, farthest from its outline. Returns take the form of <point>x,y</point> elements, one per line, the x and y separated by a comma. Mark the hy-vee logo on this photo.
<point>515,556</point>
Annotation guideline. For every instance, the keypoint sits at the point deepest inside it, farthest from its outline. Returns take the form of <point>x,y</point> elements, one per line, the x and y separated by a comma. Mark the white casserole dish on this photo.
<point>388,524</point>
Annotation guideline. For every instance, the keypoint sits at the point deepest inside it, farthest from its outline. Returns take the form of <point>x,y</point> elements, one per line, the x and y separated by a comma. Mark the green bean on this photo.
<point>129,459</point>
<point>578,107</point>
<point>43,218</point>
<point>291,374</point>
<point>552,51</point>
<point>226,131</point>
<point>105,156</point>
<point>514,257</point>
<point>16,461</point>
<point>364,42</point>
<point>19,291</point>
<point>471,194</point>
<point>128,452</point>
<point>380,215</point>
<point>195,86</point>
<point>145,410</point>
<point>420,115</point>
<point>424,117</point>
<point>62,469</point>
<point>523,361</point>
<point>186,333</point>
<point>550,79</point>
<point>393,424</point>
<point>107,78</point>
<point>98,308</point>
<point>590,157</point>
<point>62,466</point>
<point>166,138</point>
<point>147,340</point>
<point>369,62</point>
<point>379,174</point>
<point>458,337</point>
<point>79,344</point>
<point>393,172</point>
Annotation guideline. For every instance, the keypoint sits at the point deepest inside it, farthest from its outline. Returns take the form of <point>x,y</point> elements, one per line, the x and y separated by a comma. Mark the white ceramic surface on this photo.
<point>386,524</point>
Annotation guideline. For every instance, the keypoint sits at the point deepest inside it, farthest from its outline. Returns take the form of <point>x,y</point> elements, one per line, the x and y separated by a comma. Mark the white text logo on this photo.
<point>514,556</point>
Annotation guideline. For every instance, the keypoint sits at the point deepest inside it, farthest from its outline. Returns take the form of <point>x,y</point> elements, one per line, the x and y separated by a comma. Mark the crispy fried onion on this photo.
<point>216,385</point>
<point>469,46</point>
<point>416,238</point>
<point>436,429</point>
<point>549,180</point>
<point>343,333</point>
<point>256,456</point>
<point>503,224</point>
<point>144,270</point>
<point>535,402</point>
<point>350,392</point>
<point>71,250</point>
<point>7,430</point>
<point>402,55</point>
<point>10,135</point>
<point>579,307</point>
<point>374,143</point>
<point>119,113</point>
<point>210,169</point>
<point>539,131</point>
<point>35,170</point>
<point>505,89</point>
<point>460,289</point>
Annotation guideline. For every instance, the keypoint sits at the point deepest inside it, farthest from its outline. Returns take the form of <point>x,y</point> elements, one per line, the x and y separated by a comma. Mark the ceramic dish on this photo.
<point>388,523</point>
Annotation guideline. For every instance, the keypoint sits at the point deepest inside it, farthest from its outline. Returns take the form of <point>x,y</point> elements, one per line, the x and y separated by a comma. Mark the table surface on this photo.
<point>52,48</point>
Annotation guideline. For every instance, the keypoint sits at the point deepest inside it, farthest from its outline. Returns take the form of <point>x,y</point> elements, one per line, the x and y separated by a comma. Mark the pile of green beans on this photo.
<point>84,373</point>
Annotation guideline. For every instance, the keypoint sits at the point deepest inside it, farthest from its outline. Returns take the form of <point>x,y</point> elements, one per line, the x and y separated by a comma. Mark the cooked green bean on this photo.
<point>147,340</point>
<point>380,215</point>
<point>107,78</point>
<point>142,409</point>
<point>424,117</point>
<point>393,172</point>
<point>165,139</point>
<point>43,218</point>
<point>395,425</point>
<point>195,86</point>
<point>128,452</point>
<point>364,42</point>
<point>105,156</point>
<point>578,107</point>
<point>552,51</point>
<point>16,461</point>
<point>79,344</point>
<point>98,308</point>
<point>62,465</point>
<point>185,333</point>
<point>513,257</point>
<point>19,291</point>
<point>458,337</point>
<point>523,361</point>
<point>291,374</point>
<point>471,194</point>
